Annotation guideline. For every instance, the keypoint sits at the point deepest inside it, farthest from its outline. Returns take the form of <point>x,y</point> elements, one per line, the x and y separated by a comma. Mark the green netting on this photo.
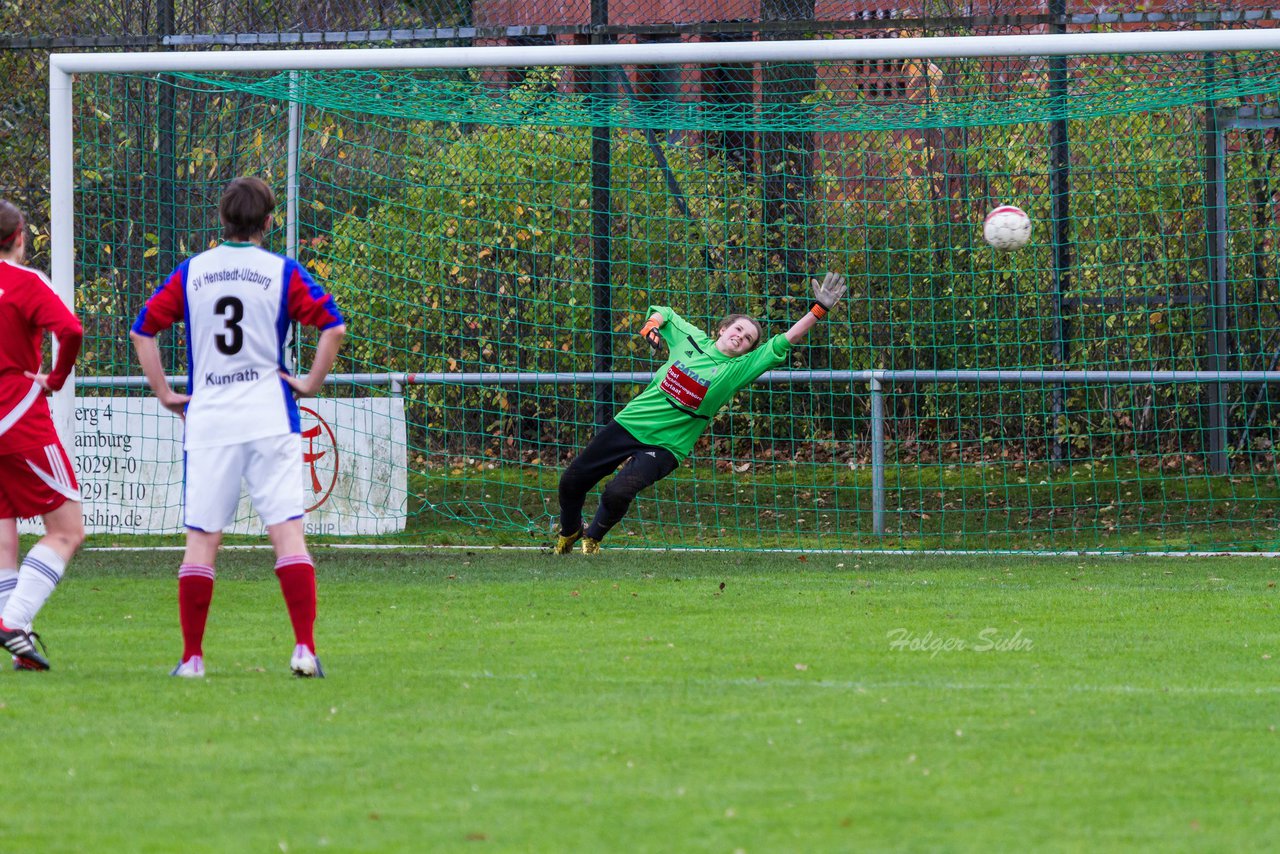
<point>997,91</point>
<point>454,215</point>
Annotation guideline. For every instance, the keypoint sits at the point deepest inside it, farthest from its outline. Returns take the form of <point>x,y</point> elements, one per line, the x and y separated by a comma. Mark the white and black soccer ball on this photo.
<point>1007,227</point>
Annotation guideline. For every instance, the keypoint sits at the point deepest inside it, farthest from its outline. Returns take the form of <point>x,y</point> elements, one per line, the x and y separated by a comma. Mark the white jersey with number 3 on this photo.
<point>238,301</point>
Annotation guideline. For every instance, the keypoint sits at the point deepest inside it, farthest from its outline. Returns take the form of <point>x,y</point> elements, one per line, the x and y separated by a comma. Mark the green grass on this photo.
<point>512,701</point>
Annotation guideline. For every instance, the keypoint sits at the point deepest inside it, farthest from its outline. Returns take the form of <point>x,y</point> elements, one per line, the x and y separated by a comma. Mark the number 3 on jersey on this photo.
<point>232,339</point>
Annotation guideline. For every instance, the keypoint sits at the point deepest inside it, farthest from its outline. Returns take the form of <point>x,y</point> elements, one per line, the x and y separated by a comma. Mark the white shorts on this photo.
<point>271,469</point>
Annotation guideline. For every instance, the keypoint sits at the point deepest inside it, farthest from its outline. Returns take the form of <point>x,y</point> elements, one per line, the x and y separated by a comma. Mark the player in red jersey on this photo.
<point>36,477</point>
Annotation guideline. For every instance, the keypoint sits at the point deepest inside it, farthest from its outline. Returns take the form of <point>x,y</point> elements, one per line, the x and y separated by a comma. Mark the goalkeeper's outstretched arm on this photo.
<point>826,294</point>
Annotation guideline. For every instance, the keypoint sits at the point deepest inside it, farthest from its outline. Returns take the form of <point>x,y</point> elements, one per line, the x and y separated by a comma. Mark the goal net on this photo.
<point>496,222</point>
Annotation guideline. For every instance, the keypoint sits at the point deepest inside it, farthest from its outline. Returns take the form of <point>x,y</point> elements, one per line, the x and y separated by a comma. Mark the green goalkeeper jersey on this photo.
<point>696,381</point>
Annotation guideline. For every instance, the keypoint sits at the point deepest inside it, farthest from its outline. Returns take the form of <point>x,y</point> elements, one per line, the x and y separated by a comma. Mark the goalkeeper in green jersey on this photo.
<point>659,427</point>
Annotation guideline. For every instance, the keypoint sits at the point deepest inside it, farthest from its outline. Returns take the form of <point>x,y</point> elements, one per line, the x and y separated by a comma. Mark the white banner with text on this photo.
<point>127,453</point>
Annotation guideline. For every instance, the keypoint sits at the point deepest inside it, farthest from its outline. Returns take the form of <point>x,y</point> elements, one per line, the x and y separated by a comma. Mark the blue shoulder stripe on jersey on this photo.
<point>317,292</point>
<point>291,407</point>
<point>137,324</point>
<point>142,315</point>
<point>186,318</point>
<point>282,311</point>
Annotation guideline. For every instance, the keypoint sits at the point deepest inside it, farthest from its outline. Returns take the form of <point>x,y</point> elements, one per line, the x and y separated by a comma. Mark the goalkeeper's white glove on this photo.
<point>827,293</point>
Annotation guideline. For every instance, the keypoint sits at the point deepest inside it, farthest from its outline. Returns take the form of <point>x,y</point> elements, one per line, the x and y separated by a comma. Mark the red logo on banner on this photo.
<point>320,456</point>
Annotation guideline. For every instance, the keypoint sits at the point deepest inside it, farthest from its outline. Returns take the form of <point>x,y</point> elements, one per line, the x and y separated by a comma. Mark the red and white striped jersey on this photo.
<point>28,309</point>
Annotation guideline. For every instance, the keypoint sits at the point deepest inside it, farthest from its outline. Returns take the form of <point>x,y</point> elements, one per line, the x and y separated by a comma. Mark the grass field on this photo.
<point>511,701</point>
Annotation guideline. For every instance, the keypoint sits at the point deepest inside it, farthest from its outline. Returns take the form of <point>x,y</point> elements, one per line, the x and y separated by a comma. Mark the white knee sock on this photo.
<point>39,574</point>
<point>8,580</point>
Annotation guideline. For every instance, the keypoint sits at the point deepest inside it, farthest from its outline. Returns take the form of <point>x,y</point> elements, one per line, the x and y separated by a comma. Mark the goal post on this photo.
<point>1110,386</point>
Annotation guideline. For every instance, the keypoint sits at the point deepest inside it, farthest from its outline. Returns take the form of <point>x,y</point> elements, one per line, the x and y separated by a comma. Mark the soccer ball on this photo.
<point>1007,227</point>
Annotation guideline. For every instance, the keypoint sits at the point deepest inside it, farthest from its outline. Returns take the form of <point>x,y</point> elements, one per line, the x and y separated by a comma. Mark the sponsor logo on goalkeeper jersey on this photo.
<point>684,386</point>
<point>248,376</point>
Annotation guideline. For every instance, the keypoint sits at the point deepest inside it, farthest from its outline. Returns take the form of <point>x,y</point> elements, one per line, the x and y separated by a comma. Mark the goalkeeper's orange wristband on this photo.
<point>651,326</point>
<point>818,310</point>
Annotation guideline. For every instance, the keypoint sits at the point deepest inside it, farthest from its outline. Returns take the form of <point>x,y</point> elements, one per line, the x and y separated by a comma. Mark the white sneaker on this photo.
<point>192,668</point>
<point>305,664</point>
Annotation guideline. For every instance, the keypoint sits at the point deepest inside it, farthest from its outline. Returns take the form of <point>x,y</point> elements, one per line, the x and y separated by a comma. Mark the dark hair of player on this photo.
<point>246,204</point>
<point>11,223</point>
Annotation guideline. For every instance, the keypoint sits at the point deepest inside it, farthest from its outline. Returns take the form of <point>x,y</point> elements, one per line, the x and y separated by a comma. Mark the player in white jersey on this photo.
<point>242,423</point>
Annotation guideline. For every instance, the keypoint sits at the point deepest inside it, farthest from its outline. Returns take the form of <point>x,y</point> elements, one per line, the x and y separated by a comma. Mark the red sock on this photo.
<point>298,584</point>
<point>195,592</point>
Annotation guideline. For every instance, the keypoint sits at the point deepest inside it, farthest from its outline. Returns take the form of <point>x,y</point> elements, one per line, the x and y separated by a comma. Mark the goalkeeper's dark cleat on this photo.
<point>590,546</point>
<point>564,542</point>
<point>22,646</point>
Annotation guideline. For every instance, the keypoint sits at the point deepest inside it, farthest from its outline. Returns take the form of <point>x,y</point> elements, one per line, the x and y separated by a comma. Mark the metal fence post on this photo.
<point>877,457</point>
<point>601,86</point>
<point>1216,291</point>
